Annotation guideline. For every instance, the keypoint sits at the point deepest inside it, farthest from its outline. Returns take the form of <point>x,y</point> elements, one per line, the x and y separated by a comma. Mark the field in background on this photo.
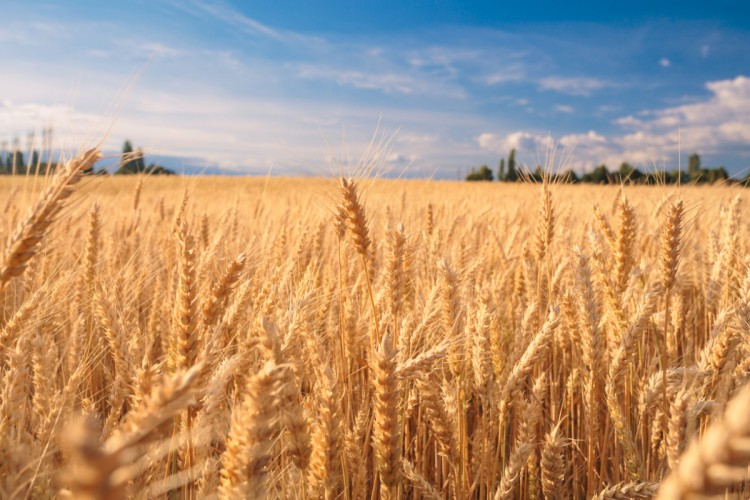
<point>394,339</point>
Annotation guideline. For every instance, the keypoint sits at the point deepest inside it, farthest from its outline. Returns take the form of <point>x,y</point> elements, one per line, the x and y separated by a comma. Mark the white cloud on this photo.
<point>715,125</point>
<point>664,62</point>
<point>578,86</point>
<point>628,121</point>
<point>720,121</point>
<point>400,160</point>
<point>564,108</point>
<point>23,116</point>
<point>578,151</point>
<point>589,138</point>
<point>520,140</point>
<point>705,49</point>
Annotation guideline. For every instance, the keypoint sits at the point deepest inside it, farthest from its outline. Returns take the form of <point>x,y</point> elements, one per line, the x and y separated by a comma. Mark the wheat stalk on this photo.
<point>25,242</point>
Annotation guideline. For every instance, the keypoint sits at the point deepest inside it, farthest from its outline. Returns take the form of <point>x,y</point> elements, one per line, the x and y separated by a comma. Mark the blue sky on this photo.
<point>299,87</point>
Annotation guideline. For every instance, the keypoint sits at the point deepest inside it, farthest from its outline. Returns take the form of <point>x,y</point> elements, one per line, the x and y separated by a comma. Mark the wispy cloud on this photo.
<point>576,86</point>
<point>232,17</point>
<point>564,108</point>
<point>387,82</point>
<point>445,58</point>
<point>504,77</point>
<point>136,49</point>
<point>34,33</point>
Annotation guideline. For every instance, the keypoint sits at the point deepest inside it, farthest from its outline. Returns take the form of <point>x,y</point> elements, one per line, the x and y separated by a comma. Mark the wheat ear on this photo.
<point>26,240</point>
<point>624,242</point>
<point>92,247</point>
<point>553,464</point>
<point>216,303</point>
<point>293,419</point>
<point>535,351</point>
<point>324,470</point>
<point>627,491</point>
<point>250,441</point>
<point>719,460</point>
<point>185,341</point>
<point>355,217</point>
<point>357,224</point>
<point>419,482</point>
<point>98,472</point>
<point>386,430</point>
<point>512,472</point>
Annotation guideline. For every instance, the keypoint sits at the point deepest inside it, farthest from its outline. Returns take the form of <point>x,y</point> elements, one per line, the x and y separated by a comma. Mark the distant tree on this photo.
<point>512,174</point>
<point>128,160</point>
<point>154,169</point>
<point>654,178</point>
<point>134,162</point>
<point>628,173</point>
<point>538,174</point>
<point>694,165</point>
<point>16,163</point>
<point>501,170</point>
<point>664,178</point>
<point>718,174</point>
<point>33,162</point>
<point>678,176</point>
<point>483,173</point>
<point>139,162</point>
<point>569,177</point>
<point>600,175</point>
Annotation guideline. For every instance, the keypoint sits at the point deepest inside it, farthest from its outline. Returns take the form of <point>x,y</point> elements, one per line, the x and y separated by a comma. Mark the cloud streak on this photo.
<point>576,86</point>
<point>235,19</point>
<point>386,82</point>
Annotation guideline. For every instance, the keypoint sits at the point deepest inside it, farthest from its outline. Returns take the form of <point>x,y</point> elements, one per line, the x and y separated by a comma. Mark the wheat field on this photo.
<point>358,338</point>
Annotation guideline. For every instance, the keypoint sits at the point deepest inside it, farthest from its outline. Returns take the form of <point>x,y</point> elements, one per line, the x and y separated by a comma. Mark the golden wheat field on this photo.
<point>338,338</point>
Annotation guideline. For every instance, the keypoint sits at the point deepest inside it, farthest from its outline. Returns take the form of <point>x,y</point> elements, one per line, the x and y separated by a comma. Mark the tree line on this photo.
<point>696,174</point>
<point>132,161</point>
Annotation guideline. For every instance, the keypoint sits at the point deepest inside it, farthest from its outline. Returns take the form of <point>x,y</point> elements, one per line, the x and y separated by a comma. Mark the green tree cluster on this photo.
<point>483,173</point>
<point>626,174</point>
<point>512,174</point>
<point>505,171</point>
<point>14,162</point>
<point>133,162</point>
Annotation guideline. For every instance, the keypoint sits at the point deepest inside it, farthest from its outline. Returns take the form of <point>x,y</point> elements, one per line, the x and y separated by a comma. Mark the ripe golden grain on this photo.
<point>442,340</point>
